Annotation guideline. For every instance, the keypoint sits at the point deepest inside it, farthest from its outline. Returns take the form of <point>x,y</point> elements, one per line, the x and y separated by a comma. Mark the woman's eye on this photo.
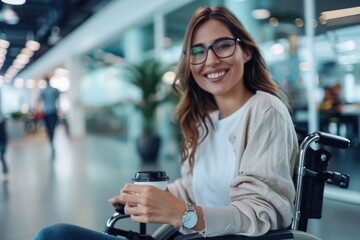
<point>197,51</point>
<point>222,46</point>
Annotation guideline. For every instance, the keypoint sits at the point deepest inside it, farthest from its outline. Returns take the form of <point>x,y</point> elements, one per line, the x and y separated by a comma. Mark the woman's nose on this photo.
<point>212,58</point>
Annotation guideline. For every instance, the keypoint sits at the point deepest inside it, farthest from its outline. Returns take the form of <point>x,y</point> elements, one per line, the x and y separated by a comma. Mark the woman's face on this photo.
<point>222,77</point>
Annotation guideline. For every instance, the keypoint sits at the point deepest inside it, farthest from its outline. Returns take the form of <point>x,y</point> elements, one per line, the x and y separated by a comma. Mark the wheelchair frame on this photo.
<point>309,180</point>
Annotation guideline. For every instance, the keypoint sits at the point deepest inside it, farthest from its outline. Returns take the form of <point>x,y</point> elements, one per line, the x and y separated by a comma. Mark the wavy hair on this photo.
<point>196,104</point>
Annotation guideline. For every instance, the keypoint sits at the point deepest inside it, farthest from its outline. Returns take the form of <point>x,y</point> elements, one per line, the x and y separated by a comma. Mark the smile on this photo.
<point>216,75</point>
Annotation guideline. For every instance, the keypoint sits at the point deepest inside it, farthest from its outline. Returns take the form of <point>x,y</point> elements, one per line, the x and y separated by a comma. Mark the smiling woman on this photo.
<point>229,106</point>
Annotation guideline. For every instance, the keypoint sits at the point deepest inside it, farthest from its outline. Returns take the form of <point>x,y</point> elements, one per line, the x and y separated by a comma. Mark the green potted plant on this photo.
<point>17,115</point>
<point>16,125</point>
<point>147,76</point>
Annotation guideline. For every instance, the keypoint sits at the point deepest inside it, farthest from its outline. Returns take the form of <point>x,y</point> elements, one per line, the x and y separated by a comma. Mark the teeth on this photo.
<point>216,75</point>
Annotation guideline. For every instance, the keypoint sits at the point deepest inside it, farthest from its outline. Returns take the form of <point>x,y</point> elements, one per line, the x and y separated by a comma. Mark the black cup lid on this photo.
<point>150,176</point>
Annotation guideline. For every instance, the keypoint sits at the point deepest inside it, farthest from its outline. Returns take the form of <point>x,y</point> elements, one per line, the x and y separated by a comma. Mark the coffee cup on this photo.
<point>154,178</point>
<point>157,179</point>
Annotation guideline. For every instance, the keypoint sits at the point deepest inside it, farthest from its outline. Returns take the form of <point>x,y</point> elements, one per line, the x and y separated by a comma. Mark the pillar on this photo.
<point>76,117</point>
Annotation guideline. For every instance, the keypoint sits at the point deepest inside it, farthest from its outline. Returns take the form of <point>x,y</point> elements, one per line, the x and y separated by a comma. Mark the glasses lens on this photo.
<point>224,48</point>
<point>198,54</point>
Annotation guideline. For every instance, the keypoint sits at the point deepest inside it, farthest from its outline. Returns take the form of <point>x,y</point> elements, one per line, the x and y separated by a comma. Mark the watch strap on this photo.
<point>189,207</point>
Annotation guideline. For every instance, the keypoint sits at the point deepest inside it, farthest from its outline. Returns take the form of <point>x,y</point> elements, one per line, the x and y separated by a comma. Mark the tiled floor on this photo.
<point>75,186</point>
<point>72,188</point>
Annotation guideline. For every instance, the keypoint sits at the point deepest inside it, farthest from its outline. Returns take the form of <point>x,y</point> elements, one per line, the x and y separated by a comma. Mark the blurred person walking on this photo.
<point>3,144</point>
<point>48,103</point>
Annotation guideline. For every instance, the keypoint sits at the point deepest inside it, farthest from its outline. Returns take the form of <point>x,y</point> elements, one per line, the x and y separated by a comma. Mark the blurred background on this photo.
<point>92,50</point>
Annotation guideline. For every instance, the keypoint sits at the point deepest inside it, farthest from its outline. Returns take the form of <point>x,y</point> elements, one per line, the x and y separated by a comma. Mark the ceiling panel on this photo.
<point>45,21</point>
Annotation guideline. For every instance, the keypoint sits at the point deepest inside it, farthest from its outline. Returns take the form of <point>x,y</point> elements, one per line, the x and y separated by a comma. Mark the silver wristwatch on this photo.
<point>189,218</point>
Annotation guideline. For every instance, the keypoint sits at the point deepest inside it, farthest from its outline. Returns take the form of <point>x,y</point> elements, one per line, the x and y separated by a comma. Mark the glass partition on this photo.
<point>279,28</point>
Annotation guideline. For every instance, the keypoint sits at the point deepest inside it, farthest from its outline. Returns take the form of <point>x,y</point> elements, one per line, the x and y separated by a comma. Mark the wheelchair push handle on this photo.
<point>120,208</point>
<point>333,140</point>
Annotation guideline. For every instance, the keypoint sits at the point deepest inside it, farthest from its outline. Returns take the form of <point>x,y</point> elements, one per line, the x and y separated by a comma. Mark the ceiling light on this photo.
<point>273,22</point>
<point>12,71</point>
<point>346,12</point>
<point>346,46</point>
<point>169,77</point>
<point>304,66</point>
<point>14,2</point>
<point>18,65</point>
<point>3,51</point>
<point>19,83</point>
<point>8,77</point>
<point>340,17</point>
<point>30,83</point>
<point>32,45</point>
<point>8,15</point>
<point>2,58</point>
<point>41,84</point>
<point>277,49</point>
<point>27,52</point>
<point>61,72</point>
<point>260,14</point>
<point>4,44</point>
<point>299,22</point>
<point>22,58</point>
<point>54,36</point>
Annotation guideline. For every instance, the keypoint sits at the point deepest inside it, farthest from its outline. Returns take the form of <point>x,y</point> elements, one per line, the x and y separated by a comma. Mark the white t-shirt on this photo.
<point>214,167</point>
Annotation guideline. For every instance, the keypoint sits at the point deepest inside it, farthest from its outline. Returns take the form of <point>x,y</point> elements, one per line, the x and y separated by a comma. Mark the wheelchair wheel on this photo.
<point>300,235</point>
<point>166,232</point>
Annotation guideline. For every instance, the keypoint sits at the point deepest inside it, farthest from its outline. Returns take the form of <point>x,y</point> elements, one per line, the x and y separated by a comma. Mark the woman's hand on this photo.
<point>149,204</point>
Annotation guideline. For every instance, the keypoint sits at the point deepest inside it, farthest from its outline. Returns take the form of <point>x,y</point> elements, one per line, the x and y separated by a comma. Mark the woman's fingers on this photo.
<point>115,200</point>
<point>141,213</point>
<point>148,204</point>
<point>132,193</point>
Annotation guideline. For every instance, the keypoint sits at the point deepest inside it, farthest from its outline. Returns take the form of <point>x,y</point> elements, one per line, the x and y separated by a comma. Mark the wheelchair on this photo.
<point>310,176</point>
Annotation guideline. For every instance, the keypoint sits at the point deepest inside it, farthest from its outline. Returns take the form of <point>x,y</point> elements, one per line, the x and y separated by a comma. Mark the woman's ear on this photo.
<point>247,55</point>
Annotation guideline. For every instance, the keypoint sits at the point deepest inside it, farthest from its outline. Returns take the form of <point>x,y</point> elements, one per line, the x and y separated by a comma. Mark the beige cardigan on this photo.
<point>262,193</point>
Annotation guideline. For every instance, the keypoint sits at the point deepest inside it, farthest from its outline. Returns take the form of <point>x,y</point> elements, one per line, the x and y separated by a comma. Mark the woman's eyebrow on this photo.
<point>215,41</point>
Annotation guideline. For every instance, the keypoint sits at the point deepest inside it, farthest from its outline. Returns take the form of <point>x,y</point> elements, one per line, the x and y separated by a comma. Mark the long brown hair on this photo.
<point>196,104</point>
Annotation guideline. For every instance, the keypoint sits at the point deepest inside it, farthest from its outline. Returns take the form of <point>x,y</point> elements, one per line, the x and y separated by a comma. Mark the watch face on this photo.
<point>190,220</point>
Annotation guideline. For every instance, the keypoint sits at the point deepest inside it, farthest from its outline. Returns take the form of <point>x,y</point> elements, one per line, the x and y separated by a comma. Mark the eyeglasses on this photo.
<point>222,48</point>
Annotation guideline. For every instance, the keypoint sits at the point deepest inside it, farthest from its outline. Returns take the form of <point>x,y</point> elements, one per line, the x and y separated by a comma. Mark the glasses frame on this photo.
<point>207,48</point>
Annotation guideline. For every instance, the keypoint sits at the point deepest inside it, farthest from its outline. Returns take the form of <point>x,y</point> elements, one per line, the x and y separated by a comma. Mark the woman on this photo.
<point>239,144</point>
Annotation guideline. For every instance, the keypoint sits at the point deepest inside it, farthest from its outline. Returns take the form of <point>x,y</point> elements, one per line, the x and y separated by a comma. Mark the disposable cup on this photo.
<point>157,179</point>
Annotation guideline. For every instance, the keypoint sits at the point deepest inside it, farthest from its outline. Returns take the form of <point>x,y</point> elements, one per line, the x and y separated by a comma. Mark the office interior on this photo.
<point>309,50</point>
